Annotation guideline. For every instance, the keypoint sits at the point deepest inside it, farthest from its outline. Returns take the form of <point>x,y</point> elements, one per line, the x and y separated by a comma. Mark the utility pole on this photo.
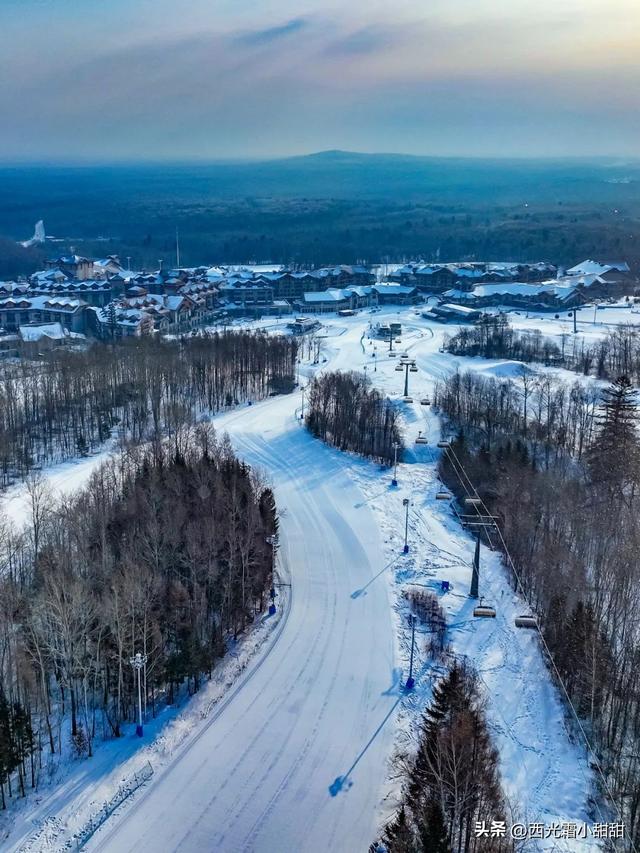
<point>475,572</point>
<point>396,446</point>
<point>405,504</point>
<point>303,389</point>
<point>575,325</point>
<point>138,661</point>
<point>411,681</point>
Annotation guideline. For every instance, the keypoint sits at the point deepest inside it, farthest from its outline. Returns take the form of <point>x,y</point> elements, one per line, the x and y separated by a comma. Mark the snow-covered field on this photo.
<point>300,751</point>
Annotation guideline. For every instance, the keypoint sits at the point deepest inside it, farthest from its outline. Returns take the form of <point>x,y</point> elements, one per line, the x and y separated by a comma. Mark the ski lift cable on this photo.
<point>587,742</point>
<point>460,472</point>
<point>590,750</point>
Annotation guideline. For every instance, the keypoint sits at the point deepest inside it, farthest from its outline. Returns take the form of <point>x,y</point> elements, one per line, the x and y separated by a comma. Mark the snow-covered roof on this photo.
<point>458,309</point>
<point>159,300</point>
<point>360,289</point>
<point>389,289</point>
<point>52,303</point>
<point>561,290</point>
<point>597,268</point>
<point>331,295</point>
<point>53,331</point>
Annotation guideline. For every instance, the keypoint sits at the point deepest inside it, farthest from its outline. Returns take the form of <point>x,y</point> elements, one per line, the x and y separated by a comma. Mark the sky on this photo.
<point>90,80</point>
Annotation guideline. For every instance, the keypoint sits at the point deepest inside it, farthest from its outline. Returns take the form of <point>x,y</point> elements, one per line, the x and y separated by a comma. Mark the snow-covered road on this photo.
<point>298,757</point>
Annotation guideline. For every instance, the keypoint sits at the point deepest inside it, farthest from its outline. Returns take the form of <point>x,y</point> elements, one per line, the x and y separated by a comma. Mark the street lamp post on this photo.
<point>396,446</point>
<point>405,504</point>
<point>411,681</point>
<point>138,661</point>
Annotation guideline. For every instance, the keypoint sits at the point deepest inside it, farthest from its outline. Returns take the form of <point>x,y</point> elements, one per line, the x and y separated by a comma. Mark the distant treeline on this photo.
<point>166,552</point>
<point>560,468</point>
<point>615,354</point>
<point>68,404</point>
<point>346,412</point>
<point>329,208</point>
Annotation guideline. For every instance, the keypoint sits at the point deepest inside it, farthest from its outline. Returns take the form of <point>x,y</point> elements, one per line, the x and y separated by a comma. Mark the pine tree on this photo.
<point>398,836</point>
<point>433,831</point>
<point>447,698</point>
<point>614,456</point>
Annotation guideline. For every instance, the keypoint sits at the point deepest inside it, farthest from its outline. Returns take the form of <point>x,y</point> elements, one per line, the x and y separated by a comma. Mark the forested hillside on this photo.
<point>70,403</point>
<point>166,552</point>
<point>560,468</point>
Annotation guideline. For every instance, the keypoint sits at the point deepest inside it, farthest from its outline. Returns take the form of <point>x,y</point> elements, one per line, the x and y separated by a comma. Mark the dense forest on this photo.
<point>560,468</point>
<point>167,552</point>
<point>71,402</point>
<point>334,207</point>
<point>453,783</point>
<point>346,412</point>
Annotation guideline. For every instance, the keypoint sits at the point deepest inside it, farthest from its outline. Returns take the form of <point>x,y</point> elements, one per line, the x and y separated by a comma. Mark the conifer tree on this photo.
<point>433,831</point>
<point>398,836</point>
<point>614,456</point>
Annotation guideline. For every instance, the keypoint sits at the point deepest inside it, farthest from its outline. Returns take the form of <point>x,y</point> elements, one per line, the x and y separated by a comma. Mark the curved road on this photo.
<point>296,761</point>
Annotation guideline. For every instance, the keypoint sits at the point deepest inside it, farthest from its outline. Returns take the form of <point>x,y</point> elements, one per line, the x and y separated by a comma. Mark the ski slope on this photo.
<point>300,753</point>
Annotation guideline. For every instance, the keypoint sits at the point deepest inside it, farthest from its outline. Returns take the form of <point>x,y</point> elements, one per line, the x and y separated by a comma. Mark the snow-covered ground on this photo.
<point>593,321</point>
<point>302,750</point>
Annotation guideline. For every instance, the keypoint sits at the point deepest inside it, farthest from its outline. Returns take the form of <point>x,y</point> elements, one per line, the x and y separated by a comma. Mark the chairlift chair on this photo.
<point>473,501</point>
<point>444,444</point>
<point>425,401</point>
<point>443,495</point>
<point>484,611</point>
<point>413,369</point>
<point>527,620</point>
<point>407,399</point>
<point>398,368</point>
